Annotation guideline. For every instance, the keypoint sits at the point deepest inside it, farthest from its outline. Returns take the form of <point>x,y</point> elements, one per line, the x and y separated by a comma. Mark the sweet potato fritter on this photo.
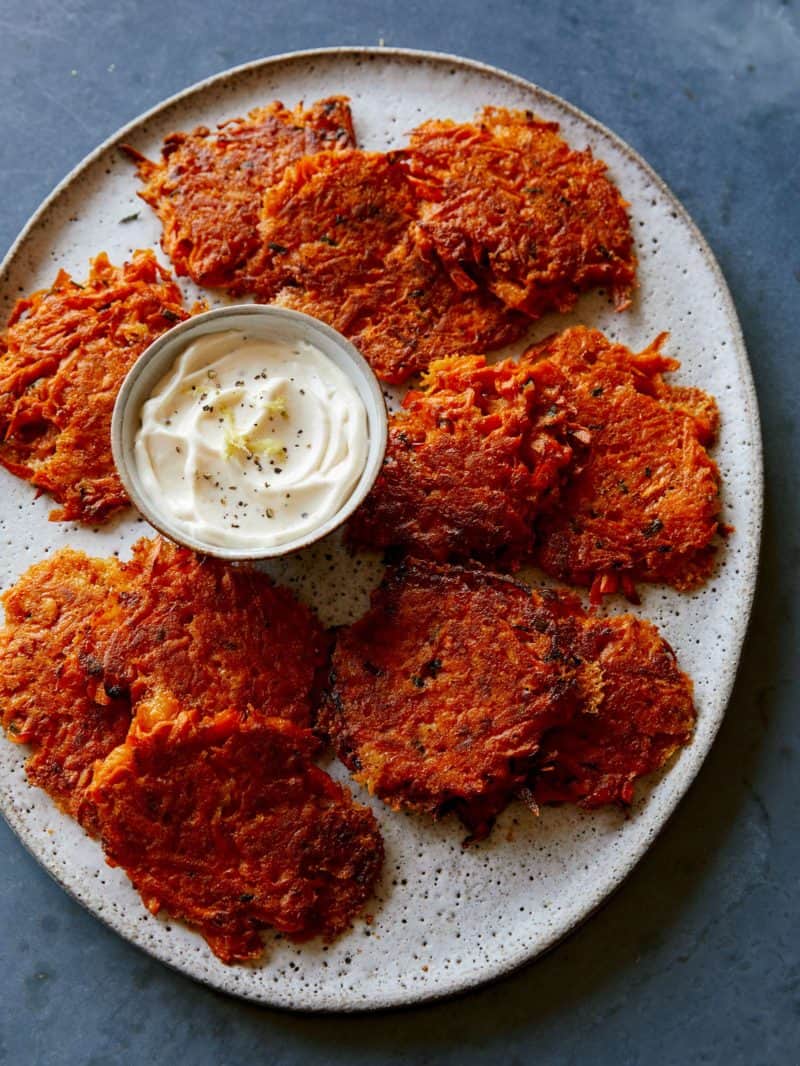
<point>645,504</point>
<point>207,188</point>
<point>473,458</point>
<point>62,360</point>
<point>460,688</point>
<point>331,221</point>
<point>225,822</point>
<point>204,790</point>
<point>336,243</point>
<point>168,630</point>
<point>440,694</point>
<point>50,696</point>
<point>507,203</point>
<point>579,455</point>
<point>211,636</point>
<point>646,713</point>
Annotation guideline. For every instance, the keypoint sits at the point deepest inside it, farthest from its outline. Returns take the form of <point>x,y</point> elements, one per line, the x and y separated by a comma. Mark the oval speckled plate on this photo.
<point>443,919</point>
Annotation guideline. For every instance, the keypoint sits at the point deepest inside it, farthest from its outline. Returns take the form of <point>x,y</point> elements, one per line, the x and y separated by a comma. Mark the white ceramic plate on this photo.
<point>444,919</point>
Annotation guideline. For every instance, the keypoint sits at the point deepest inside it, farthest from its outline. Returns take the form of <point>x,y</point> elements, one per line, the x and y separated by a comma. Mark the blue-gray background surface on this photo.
<point>697,958</point>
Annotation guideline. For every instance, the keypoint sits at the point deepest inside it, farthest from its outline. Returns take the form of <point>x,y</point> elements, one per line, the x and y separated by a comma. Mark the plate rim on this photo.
<point>407,999</point>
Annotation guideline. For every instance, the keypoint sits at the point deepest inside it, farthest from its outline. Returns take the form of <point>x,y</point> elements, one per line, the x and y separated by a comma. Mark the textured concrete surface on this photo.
<point>697,958</point>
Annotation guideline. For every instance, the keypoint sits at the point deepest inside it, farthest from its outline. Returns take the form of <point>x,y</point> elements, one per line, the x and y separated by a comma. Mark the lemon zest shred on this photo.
<point>243,443</point>
<point>276,407</point>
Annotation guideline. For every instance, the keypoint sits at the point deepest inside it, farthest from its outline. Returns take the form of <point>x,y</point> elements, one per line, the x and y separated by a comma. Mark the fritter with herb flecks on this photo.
<point>226,823</point>
<point>336,243</point>
<point>63,358</point>
<point>645,505</point>
<point>645,714</point>
<point>460,689</point>
<point>51,694</point>
<point>210,636</point>
<point>507,204</point>
<point>440,694</point>
<point>207,187</point>
<point>167,701</point>
<point>330,223</point>
<point>90,642</point>
<point>473,458</point>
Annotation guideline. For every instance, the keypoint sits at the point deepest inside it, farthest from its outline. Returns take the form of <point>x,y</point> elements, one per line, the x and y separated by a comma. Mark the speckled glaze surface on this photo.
<point>443,918</point>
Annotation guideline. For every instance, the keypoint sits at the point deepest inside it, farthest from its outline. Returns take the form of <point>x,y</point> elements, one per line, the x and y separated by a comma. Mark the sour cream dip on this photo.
<point>248,443</point>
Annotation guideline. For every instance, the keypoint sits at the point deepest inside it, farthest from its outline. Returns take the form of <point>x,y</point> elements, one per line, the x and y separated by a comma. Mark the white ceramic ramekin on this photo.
<point>258,320</point>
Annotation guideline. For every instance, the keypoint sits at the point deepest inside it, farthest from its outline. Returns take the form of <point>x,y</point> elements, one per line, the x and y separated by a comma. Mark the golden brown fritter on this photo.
<point>646,713</point>
<point>168,630</point>
<point>645,504</point>
<point>472,459</point>
<point>50,695</point>
<point>440,694</point>
<point>413,313</point>
<point>62,360</point>
<point>207,187</point>
<point>580,456</point>
<point>459,689</point>
<point>208,635</point>
<point>330,222</point>
<point>337,245</point>
<point>226,823</point>
<point>508,204</point>
<point>204,791</point>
